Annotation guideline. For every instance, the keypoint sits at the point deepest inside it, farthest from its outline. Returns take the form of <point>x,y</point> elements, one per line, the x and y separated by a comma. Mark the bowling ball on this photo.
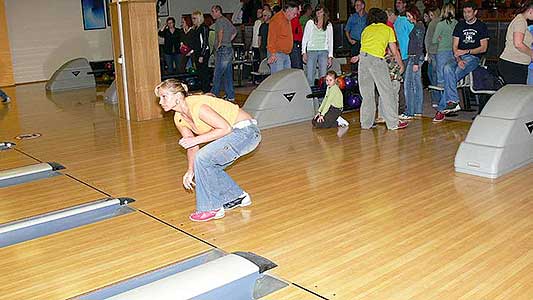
<point>353,101</point>
<point>349,83</point>
<point>341,83</point>
<point>193,83</point>
<point>322,82</point>
<point>184,49</point>
<point>355,80</point>
<point>192,71</point>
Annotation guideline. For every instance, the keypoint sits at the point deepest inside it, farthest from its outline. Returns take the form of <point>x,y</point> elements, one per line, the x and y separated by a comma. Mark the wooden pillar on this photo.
<point>6,64</point>
<point>140,56</point>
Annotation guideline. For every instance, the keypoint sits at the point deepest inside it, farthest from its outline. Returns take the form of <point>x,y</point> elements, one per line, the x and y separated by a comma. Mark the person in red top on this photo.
<point>297,35</point>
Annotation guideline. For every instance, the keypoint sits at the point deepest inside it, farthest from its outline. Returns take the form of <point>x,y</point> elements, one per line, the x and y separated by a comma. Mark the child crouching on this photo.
<point>331,108</point>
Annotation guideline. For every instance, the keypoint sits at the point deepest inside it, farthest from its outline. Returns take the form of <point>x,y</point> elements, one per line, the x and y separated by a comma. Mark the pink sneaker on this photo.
<point>401,125</point>
<point>439,117</point>
<point>204,216</point>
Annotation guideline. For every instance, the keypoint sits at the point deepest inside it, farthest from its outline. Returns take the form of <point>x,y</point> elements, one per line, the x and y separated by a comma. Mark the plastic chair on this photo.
<point>264,70</point>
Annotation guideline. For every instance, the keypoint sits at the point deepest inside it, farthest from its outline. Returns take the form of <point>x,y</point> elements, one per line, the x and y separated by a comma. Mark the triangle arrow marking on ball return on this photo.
<point>289,96</point>
<point>529,126</point>
<point>76,73</point>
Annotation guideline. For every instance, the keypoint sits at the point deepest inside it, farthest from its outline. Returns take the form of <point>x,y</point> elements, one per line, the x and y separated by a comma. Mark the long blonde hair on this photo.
<point>448,13</point>
<point>172,85</point>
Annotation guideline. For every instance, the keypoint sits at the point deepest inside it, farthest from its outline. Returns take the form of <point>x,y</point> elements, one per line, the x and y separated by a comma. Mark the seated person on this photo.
<point>470,41</point>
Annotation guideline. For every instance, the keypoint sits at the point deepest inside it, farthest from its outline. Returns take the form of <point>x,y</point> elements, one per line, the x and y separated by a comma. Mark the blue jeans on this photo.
<point>314,57</point>
<point>214,187</point>
<point>452,74</point>
<point>414,92</point>
<point>224,72</point>
<point>283,62</point>
<point>530,76</point>
<point>443,58</point>
<point>172,61</point>
<point>432,74</point>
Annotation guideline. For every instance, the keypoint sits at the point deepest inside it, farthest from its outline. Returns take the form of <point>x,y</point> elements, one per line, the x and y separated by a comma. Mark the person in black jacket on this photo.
<point>171,48</point>
<point>201,49</point>
<point>186,39</point>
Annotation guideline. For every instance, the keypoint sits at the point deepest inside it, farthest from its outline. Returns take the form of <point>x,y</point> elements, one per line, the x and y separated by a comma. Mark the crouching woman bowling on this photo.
<point>226,133</point>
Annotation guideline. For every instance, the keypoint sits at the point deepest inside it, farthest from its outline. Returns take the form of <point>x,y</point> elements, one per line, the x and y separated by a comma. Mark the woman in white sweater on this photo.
<point>317,44</point>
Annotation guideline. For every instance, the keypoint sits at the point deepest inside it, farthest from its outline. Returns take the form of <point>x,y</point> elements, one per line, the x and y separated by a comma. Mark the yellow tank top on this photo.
<point>225,109</point>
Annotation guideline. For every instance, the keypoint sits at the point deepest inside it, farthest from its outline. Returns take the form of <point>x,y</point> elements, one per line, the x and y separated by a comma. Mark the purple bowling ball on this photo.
<point>353,101</point>
<point>349,83</point>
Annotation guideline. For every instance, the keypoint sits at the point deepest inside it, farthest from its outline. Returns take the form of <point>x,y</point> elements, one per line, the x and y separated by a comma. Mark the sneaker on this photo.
<point>6,100</point>
<point>379,121</point>
<point>204,216</point>
<point>439,117</point>
<point>451,107</point>
<point>404,117</point>
<point>401,125</point>
<point>341,122</point>
<point>435,105</point>
<point>242,201</point>
<point>418,116</point>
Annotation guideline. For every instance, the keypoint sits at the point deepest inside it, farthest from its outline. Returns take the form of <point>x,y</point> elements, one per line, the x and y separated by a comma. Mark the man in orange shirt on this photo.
<point>279,44</point>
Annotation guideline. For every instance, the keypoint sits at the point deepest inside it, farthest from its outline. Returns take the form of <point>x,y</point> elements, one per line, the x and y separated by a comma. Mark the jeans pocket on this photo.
<point>250,139</point>
<point>225,156</point>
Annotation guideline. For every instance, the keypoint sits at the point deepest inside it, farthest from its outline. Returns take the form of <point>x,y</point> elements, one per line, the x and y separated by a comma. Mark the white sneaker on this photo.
<point>6,100</point>
<point>404,117</point>
<point>242,201</point>
<point>341,122</point>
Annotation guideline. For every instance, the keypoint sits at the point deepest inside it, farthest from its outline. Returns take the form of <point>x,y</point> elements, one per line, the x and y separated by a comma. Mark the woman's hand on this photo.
<point>320,119</point>
<point>304,58</point>
<point>188,142</point>
<point>415,68</point>
<point>188,182</point>
<point>354,59</point>
<point>201,59</point>
<point>330,61</point>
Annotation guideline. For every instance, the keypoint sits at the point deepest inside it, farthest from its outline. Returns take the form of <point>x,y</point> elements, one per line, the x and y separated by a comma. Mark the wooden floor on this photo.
<point>372,214</point>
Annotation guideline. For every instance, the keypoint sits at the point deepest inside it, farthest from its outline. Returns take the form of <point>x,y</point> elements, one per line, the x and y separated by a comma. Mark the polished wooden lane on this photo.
<point>43,196</point>
<point>10,159</point>
<point>369,215</point>
<point>80,260</point>
<point>291,293</point>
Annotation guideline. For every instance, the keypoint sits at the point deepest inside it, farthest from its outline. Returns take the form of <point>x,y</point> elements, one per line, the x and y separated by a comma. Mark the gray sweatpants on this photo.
<point>374,72</point>
<point>396,91</point>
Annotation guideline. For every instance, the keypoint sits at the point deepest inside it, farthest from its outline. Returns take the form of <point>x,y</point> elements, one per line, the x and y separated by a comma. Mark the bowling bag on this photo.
<point>485,80</point>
